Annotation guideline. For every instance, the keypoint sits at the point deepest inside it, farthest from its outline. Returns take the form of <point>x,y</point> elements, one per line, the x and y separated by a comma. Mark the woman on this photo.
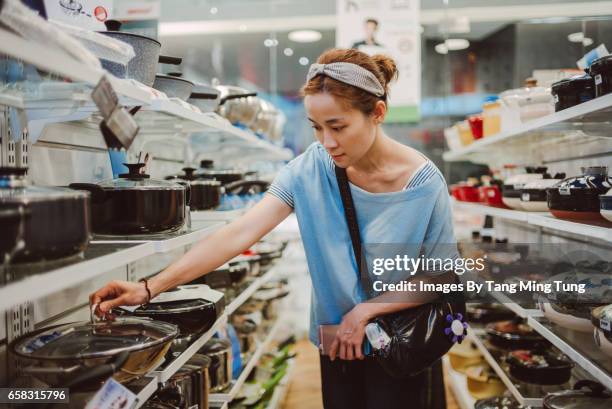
<point>399,195</point>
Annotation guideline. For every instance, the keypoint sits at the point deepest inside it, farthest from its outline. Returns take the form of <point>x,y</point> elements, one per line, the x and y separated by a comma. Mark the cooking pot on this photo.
<point>533,194</point>
<point>539,367</point>
<point>271,294</point>
<point>601,71</point>
<point>205,97</point>
<point>173,85</point>
<point>238,105</point>
<point>265,119</point>
<point>83,354</point>
<point>487,313</point>
<point>204,194</point>
<point>498,402</point>
<point>482,382</point>
<point>192,308</point>
<point>225,176</point>
<point>202,363</point>
<point>182,390</point>
<point>585,395</point>
<point>143,66</point>
<point>135,204</point>
<point>573,91</point>
<point>464,355</point>
<point>220,371</point>
<point>605,205</point>
<point>53,222</point>
<point>490,193</point>
<point>511,195</point>
<point>466,191</point>
<point>577,198</point>
<point>514,335</point>
<point>262,254</point>
<point>566,316</point>
<point>226,276</point>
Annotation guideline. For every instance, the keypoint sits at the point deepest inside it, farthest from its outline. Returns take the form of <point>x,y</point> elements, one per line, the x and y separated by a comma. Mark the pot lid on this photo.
<point>582,81</point>
<point>113,27</point>
<point>216,345</point>
<point>182,299</point>
<point>542,184</point>
<point>15,188</point>
<point>136,180</point>
<point>82,340</point>
<point>586,394</point>
<point>593,178</point>
<point>601,64</point>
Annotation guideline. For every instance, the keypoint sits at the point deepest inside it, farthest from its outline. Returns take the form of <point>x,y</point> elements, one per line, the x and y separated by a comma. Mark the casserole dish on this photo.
<point>219,351</point>
<point>573,91</point>
<point>513,185</point>
<point>601,71</point>
<point>514,335</point>
<point>533,194</point>
<point>539,368</point>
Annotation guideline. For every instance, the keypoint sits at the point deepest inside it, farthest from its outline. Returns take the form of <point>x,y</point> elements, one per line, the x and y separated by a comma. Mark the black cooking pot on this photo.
<point>192,308</point>
<point>539,367</point>
<point>226,276</point>
<point>601,71</point>
<point>205,194</point>
<point>486,313</point>
<point>180,390</point>
<point>225,176</point>
<point>573,91</point>
<point>201,363</point>
<point>514,335</point>
<point>585,395</point>
<point>53,222</point>
<point>220,371</point>
<point>135,204</point>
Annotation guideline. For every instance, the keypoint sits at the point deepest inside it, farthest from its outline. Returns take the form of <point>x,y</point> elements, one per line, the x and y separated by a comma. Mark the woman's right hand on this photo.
<point>118,293</point>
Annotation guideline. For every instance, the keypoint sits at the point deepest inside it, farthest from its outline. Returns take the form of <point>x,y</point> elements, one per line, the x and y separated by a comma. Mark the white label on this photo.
<point>598,79</point>
<point>491,193</point>
<point>604,324</point>
<point>112,395</point>
<point>565,191</point>
<point>525,197</point>
<point>556,98</point>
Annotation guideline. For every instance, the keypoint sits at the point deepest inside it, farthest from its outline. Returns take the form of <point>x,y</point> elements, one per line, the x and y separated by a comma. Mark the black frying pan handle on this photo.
<point>166,59</point>
<point>98,372</point>
<point>98,195</point>
<point>237,96</point>
<point>202,95</point>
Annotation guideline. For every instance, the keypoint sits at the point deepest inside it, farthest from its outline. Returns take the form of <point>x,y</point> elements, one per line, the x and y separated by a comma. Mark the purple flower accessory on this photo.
<point>457,329</point>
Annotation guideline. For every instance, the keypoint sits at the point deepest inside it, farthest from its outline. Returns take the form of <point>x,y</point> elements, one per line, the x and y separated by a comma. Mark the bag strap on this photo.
<point>353,226</point>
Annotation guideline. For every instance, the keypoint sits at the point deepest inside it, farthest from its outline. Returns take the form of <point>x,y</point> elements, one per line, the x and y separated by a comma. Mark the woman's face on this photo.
<point>346,134</point>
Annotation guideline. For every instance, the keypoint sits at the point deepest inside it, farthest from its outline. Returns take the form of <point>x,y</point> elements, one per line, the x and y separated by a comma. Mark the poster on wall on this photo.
<point>388,27</point>
<point>88,14</point>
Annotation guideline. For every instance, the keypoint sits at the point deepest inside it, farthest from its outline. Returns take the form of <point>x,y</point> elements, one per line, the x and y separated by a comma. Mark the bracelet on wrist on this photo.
<point>146,285</point>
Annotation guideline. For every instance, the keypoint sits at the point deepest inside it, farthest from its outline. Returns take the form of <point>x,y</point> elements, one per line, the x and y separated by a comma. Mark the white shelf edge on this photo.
<point>599,374</point>
<point>250,290</point>
<point>164,246</point>
<point>566,115</point>
<point>216,215</point>
<point>146,392</point>
<point>458,385</point>
<point>177,363</point>
<point>501,373</point>
<point>53,281</point>
<point>261,348</point>
<point>539,219</point>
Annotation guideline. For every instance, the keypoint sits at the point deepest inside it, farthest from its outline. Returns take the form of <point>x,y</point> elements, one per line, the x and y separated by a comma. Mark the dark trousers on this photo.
<point>366,385</point>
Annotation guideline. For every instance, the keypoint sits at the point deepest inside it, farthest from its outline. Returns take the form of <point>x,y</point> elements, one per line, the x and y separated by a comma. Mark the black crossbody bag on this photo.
<point>420,336</point>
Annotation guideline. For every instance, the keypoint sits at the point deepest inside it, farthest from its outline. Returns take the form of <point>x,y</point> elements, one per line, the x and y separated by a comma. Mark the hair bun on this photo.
<point>387,68</point>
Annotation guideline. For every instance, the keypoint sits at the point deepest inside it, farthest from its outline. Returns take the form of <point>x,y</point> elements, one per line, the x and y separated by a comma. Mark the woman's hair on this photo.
<point>381,66</point>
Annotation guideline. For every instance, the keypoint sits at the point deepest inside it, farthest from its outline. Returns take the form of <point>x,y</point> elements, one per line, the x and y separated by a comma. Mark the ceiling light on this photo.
<point>242,28</point>
<point>441,48</point>
<point>454,44</point>
<point>270,42</point>
<point>576,37</point>
<point>305,36</point>
<point>288,51</point>
<point>214,10</point>
<point>304,61</point>
<point>587,41</point>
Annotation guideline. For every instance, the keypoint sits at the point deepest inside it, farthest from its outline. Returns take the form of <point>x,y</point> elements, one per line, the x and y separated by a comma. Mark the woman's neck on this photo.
<point>377,157</point>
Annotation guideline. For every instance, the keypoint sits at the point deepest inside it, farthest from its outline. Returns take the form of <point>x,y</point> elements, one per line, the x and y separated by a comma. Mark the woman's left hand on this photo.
<point>349,337</point>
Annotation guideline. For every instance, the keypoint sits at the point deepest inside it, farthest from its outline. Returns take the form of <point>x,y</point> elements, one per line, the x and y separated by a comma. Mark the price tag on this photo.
<point>565,191</point>
<point>556,98</point>
<point>598,79</point>
<point>112,395</point>
<point>525,197</point>
<point>105,98</point>
<point>604,324</point>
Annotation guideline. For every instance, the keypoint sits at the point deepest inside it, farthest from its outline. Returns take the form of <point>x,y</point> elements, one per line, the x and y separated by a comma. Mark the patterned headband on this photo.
<point>348,73</point>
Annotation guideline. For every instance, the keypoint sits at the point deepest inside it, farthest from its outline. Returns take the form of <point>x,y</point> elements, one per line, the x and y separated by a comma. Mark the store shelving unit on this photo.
<point>570,125</point>
<point>252,288</point>
<point>144,389</point>
<point>579,347</point>
<point>458,384</point>
<point>600,231</point>
<point>236,385</point>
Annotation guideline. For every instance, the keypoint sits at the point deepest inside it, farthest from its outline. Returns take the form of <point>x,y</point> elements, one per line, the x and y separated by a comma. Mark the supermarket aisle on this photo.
<point>305,389</point>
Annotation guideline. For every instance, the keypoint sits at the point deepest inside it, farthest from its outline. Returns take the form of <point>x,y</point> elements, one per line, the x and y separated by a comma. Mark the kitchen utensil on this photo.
<point>226,276</point>
<point>205,97</point>
<point>220,371</point>
<point>511,195</point>
<point>498,402</point>
<point>601,71</point>
<point>202,363</point>
<point>62,354</point>
<point>173,85</point>
<point>577,198</point>
<point>238,105</point>
<point>54,222</point>
<point>605,205</point>
<point>134,204</point>
<point>482,382</point>
<point>513,335</point>
<point>182,390</point>
<point>487,313</point>
<point>464,355</point>
<point>573,91</point>
<point>539,367</point>
<point>205,194</point>
<point>585,395</point>
<point>533,194</point>
<point>225,176</point>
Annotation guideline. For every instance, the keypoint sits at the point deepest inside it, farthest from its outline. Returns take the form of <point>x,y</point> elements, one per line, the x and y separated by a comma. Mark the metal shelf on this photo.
<point>585,121</point>
<point>600,231</point>
<point>458,384</point>
<point>166,373</point>
<point>238,383</point>
<point>579,347</point>
<point>250,290</point>
<point>146,387</point>
<point>217,215</point>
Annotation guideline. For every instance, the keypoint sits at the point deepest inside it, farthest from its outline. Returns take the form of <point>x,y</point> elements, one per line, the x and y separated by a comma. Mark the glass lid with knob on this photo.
<point>15,188</point>
<point>136,179</point>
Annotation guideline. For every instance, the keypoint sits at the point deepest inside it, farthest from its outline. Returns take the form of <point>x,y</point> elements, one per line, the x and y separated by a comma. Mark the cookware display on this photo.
<point>219,351</point>
<point>261,255</point>
<point>192,308</point>
<point>601,71</point>
<point>53,222</point>
<point>573,91</point>
<point>487,313</point>
<point>533,194</point>
<point>83,354</point>
<point>577,198</point>
<point>575,317</point>
<point>528,103</point>
<point>514,335</point>
<point>225,176</point>
<point>605,205</point>
<point>143,66</point>
<point>490,193</point>
<point>227,276</point>
<point>205,97</point>
<point>466,191</point>
<point>514,184</point>
<point>204,194</point>
<point>585,395</point>
<point>238,105</point>
<point>134,204</point>
<point>482,382</point>
<point>498,402</point>
<point>173,85</point>
<point>271,295</point>
<point>539,367</point>
<point>464,355</point>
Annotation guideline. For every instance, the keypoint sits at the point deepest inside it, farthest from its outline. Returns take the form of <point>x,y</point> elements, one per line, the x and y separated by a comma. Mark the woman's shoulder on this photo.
<point>311,159</point>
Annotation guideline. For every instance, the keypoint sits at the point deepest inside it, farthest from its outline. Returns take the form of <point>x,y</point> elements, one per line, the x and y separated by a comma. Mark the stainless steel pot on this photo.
<point>238,105</point>
<point>83,354</point>
<point>205,97</point>
<point>205,194</point>
<point>220,371</point>
<point>53,222</point>
<point>173,85</point>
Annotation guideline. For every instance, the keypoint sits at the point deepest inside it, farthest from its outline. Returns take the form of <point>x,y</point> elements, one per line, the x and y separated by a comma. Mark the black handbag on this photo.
<point>420,336</point>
